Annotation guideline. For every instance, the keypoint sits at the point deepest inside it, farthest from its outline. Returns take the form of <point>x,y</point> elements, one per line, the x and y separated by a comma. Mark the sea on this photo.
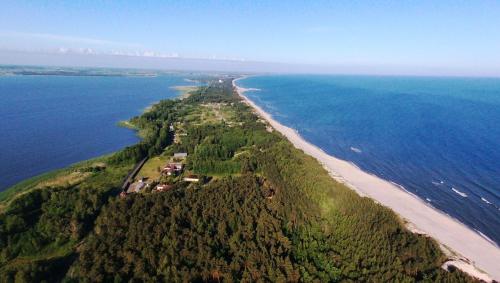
<point>48,122</point>
<point>438,137</point>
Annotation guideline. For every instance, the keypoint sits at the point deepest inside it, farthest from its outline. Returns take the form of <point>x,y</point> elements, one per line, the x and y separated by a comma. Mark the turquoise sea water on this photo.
<point>437,137</point>
<point>49,122</point>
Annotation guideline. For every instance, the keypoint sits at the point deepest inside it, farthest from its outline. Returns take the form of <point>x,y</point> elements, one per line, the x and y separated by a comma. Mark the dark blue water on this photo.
<point>49,122</point>
<point>437,137</point>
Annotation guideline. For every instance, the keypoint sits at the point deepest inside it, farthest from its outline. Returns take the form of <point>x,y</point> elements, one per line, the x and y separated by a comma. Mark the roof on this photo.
<point>136,187</point>
<point>164,187</point>
<point>193,178</point>
<point>180,154</point>
<point>173,167</point>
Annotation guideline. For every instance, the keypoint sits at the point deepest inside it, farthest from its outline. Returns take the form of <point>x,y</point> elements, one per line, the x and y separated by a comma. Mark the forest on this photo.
<point>267,213</point>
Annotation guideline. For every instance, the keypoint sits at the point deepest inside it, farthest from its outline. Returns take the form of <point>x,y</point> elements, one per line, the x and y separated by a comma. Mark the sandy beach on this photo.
<point>467,249</point>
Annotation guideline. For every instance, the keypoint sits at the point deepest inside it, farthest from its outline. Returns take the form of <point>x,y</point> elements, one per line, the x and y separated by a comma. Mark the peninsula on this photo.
<point>212,193</point>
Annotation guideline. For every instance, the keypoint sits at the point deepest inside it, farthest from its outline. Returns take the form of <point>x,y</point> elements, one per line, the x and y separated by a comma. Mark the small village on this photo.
<point>171,173</point>
<point>168,171</point>
<point>160,174</point>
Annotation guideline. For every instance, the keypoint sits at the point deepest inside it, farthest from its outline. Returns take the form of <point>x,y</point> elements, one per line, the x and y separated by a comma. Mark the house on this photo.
<point>169,171</point>
<point>163,188</point>
<point>180,155</point>
<point>136,187</point>
<point>191,178</point>
<point>172,168</point>
<point>177,166</point>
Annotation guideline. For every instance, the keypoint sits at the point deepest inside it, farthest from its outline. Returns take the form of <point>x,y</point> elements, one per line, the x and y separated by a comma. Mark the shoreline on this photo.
<point>183,93</point>
<point>476,255</point>
<point>184,90</point>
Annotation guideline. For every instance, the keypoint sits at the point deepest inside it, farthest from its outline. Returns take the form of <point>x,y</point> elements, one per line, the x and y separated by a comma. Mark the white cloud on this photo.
<point>62,44</point>
<point>151,54</point>
<point>70,45</point>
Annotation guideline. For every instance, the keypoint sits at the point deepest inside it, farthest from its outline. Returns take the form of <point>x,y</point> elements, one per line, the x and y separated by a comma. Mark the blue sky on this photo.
<point>456,37</point>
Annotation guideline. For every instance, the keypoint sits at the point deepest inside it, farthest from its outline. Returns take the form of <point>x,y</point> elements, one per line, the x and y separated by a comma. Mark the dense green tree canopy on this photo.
<point>268,212</point>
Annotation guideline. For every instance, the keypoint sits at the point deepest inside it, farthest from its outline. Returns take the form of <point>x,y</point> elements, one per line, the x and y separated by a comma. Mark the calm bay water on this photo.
<point>49,122</point>
<point>437,137</point>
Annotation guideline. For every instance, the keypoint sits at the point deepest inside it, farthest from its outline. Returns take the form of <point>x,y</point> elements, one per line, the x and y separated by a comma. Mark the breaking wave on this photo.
<point>462,194</point>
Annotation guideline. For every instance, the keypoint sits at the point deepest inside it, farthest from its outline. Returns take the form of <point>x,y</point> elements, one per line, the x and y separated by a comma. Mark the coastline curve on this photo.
<point>466,248</point>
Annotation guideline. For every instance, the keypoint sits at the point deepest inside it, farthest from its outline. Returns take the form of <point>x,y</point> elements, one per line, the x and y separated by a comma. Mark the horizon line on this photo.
<point>245,66</point>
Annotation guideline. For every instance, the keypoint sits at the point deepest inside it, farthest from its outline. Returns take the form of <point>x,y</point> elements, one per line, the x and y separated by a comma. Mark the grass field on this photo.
<point>61,177</point>
<point>150,168</point>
